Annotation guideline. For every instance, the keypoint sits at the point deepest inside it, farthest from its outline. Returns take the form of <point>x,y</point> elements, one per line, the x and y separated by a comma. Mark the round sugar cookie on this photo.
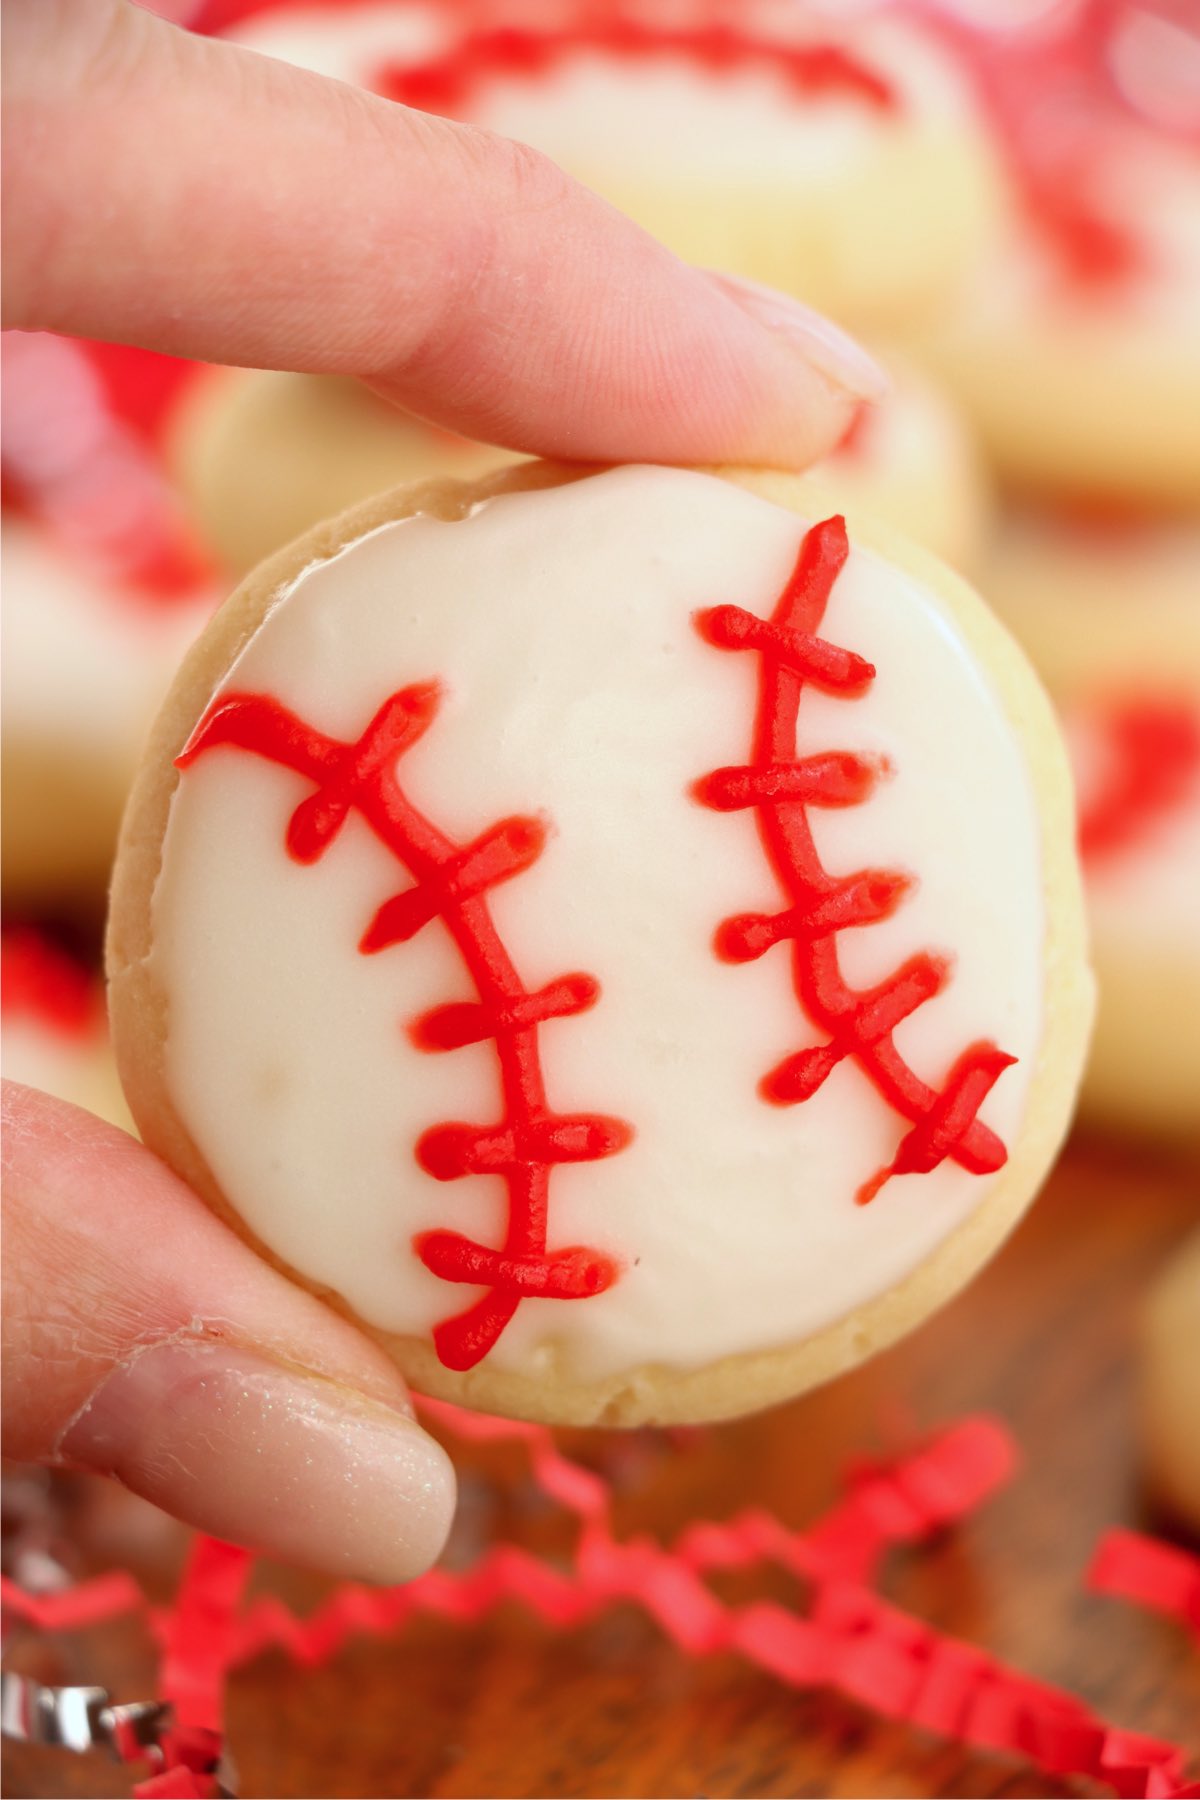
<point>612,935</point>
<point>1137,760</point>
<point>1075,347</point>
<point>54,1031</point>
<point>842,159</point>
<point>261,455</point>
<point>1170,1384</point>
<point>1102,600</point>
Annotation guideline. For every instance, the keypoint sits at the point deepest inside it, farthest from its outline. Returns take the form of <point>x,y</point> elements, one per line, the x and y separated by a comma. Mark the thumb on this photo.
<point>194,197</point>
<point>143,1340</point>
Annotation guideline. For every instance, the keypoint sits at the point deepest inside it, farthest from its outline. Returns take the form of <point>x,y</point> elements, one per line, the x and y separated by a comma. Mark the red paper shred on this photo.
<point>91,1602</point>
<point>198,1633</point>
<point>849,1641</point>
<point>178,1783</point>
<point>1136,1567</point>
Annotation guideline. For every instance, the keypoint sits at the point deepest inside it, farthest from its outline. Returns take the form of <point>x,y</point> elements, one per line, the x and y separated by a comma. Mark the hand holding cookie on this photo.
<point>144,1339</point>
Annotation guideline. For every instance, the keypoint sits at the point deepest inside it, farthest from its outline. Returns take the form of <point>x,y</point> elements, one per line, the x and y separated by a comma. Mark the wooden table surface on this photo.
<point>1043,1338</point>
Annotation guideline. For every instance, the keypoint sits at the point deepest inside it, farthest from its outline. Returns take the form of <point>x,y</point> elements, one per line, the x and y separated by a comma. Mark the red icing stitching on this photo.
<point>451,884</point>
<point>1155,750</point>
<point>780,788</point>
<point>446,82</point>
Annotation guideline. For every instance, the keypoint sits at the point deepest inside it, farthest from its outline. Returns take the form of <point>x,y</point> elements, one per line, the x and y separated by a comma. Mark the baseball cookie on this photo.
<point>1076,349</point>
<point>1137,758</point>
<point>1170,1384</point>
<point>612,936</point>
<point>843,159</point>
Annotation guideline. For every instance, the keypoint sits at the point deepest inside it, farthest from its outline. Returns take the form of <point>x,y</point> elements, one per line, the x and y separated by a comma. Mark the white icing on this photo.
<point>577,686</point>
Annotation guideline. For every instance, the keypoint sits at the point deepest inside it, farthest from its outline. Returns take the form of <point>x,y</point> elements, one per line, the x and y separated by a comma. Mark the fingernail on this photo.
<point>271,1456</point>
<point>833,351</point>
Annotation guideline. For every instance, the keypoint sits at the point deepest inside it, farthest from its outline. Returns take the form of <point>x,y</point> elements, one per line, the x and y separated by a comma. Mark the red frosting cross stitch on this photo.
<point>448,81</point>
<point>451,884</point>
<point>780,788</point>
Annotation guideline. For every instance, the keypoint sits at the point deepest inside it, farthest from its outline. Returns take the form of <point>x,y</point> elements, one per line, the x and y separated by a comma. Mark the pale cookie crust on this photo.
<point>653,1393</point>
<point>1170,1383</point>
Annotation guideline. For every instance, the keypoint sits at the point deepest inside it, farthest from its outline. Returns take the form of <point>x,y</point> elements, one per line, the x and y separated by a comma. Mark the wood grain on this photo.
<point>1044,1338</point>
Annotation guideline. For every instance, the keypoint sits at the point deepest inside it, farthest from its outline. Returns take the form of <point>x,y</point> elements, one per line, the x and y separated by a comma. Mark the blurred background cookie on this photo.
<point>1101,597</point>
<point>104,588</point>
<point>912,462</point>
<point>1075,348</point>
<point>261,455</point>
<point>55,1031</point>
<point>843,159</point>
<point>1137,759</point>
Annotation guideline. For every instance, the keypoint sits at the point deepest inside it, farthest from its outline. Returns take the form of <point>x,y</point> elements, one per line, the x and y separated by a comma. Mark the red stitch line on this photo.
<point>779,788</point>
<point>451,884</point>
<point>1071,79</point>
<point>446,82</point>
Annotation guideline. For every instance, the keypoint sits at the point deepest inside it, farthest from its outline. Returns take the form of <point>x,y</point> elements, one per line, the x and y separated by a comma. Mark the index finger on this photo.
<point>194,197</point>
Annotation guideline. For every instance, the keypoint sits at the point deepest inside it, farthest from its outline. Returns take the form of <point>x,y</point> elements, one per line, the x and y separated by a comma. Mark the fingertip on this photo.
<point>272,1456</point>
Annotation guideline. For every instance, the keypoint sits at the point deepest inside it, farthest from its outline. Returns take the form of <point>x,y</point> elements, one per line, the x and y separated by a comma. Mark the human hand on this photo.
<point>191,197</point>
